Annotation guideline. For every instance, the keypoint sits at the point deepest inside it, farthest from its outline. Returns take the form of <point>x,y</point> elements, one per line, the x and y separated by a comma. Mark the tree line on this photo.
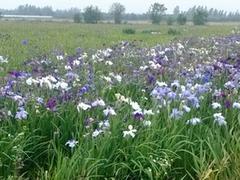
<point>156,13</point>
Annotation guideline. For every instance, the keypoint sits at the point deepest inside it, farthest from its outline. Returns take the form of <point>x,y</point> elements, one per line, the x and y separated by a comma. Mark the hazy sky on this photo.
<point>136,6</point>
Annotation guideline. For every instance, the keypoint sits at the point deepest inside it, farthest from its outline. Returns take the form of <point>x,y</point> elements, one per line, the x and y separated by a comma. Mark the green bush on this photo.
<point>129,31</point>
<point>173,32</point>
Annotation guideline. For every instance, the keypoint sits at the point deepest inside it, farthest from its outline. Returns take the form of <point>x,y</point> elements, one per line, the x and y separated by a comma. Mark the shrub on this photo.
<point>173,32</point>
<point>129,31</point>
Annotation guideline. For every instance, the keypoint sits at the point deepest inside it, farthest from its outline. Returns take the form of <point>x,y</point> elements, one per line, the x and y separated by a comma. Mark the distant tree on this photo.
<point>33,10</point>
<point>66,13</point>
<point>181,19</point>
<point>176,11</point>
<point>156,11</point>
<point>170,20</point>
<point>200,17</point>
<point>77,18</point>
<point>0,15</point>
<point>117,10</point>
<point>92,15</point>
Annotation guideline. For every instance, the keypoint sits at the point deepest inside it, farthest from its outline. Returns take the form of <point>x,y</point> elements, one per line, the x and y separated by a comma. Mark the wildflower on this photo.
<point>161,84</point>
<point>9,113</point>
<point>135,105</point>
<point>194,121</point>
<point>83,106</point>
<point>97,133</point>
<point>216,105</point>
<point>60,57</point>
<point>176,114</point>
<point>227,104</point>
<point>143,68</point>
<point>138,115</point>
<point>118,78</point>
<point>148,112</point>
<point>108,79</point>
<point>88,122</point>
<point>104,124</point>
<point>76,62</point>
<point>47,81</point>
<point>110,63</point>
<point>194,101</point>
<point>40,100</point>
<point>3,60</point>
<point>71,143</point>
<point>62,85</point>
<point>154,65</point>
<point>151,79</point>
<point>186,108</point>
<point>98,102</point>
<point>51,104</point>
<point>31,81</point>
<point>68,68</point>
<point>147,123</point>
<point>172,95</point>
<point>236,105</point>
<point>131,132</point>
<point>18,74</point>
<point>219,119</point>
<point>24,42</point>
<point>175,84</point>
<point>109,111</point>
<point>122,98</point>
<point>180,46</point>
<point>21,114</point>
<point>229,85</point>
<point>84,89</point>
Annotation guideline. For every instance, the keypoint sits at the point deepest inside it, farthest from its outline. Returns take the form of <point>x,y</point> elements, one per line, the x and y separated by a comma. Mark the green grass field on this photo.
<point>46,36</point>
<point>134,111</point>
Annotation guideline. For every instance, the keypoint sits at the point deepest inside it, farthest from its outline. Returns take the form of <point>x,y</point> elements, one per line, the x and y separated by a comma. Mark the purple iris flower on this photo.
<point>207,77</point>
<point>79,51</point>
<point>151,79</point>
<point>24,42</point>
<point>51,104</point>
<point>84,89</point>
<point>194,101</point>
<point>172,95</point>
<point>21,114</point>
<point>228,104</point>
<point>138,115</point>
<point>176,114</point>
<point>19,74</point>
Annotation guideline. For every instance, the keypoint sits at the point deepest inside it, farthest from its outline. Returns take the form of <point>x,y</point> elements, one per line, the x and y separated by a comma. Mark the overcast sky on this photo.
<point>136,6</point>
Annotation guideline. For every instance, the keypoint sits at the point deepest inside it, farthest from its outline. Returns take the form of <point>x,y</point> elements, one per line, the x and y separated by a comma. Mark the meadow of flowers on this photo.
<point>124,112</point>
